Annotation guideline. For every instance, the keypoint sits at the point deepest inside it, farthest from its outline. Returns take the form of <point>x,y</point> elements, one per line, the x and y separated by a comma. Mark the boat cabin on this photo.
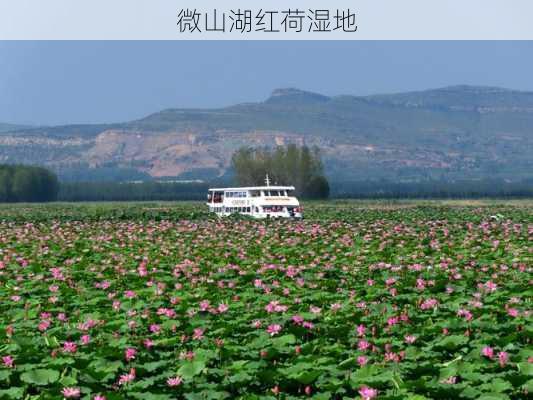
<point>255,201</point>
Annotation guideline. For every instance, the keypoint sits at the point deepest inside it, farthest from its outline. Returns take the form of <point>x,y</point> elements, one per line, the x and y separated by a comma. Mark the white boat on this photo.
<point>255,201</point>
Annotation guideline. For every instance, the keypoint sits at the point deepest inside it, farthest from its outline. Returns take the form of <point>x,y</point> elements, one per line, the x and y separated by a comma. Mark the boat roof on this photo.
<point>253,188</point>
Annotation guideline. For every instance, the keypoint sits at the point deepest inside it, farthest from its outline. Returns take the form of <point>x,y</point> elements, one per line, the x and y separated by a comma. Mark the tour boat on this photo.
<point>255,201</point>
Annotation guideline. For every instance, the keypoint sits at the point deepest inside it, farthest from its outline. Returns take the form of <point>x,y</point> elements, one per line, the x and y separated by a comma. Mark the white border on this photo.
<point>156,19</point>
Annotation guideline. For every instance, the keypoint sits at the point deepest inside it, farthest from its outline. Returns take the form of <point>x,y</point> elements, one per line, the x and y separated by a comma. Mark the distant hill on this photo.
<point>11,127</point>
<point>466,132</point>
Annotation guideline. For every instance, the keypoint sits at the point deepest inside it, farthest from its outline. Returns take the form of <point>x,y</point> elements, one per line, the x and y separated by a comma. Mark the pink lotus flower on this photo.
<point>116,305</point>
<point>362,360</point>
<point>274,329</point>
<point>513,312</point>
<point>126,378</point>
<point>363,345</point>
<point>274,306</point>
<point>315,310</point>
<point>308,325</point>
<point>297,319</point>
<point>155,328</point>
<point>99,397</point>
<point>465,314</point>
<point>503,358</point>
<point>487,352</point>
<point>71,392</point>
<point>410,339</point>
<point>361,330</point>
<point>490,286</point>
<point>69,347</point>
<point>198,334</point>
<point>368,393</point>
<point>174,381</point>
<point>222,308</point>
<point>449,381</point>
<point>429,304</point>
<point>392,357</point>
<point>44,325</point>
<point>85,339</point>
<point>204,305</point>
<point>130,353</point>
<point>8,361</point>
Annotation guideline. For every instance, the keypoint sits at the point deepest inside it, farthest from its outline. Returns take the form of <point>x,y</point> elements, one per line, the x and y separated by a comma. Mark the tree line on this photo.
<point>443,189</point>
<point>152,191</point>
<point>22,183</point>
<point>142,191</point>
<point>35,184</point>
<point>300,167</point>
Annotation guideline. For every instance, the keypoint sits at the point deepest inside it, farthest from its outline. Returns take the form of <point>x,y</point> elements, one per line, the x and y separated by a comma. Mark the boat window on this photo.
<point>218,197</point>
<point>255,193</point>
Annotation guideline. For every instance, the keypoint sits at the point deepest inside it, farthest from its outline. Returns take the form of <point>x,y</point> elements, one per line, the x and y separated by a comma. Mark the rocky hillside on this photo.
<point>453,132</point>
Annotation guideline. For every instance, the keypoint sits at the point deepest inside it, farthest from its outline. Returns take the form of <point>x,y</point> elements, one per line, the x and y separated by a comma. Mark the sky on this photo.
<point>64,82</point>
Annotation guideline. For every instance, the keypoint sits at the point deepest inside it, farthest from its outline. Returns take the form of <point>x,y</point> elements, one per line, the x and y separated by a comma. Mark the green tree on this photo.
<point>27,183</point>
<point>291,165</point>
<point>5,184</point>
<point>317,188</point>
<point>23,185</point>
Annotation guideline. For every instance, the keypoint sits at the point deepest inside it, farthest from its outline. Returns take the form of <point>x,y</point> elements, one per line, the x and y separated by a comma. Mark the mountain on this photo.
<point>453,132</point>
<point>11,127</point>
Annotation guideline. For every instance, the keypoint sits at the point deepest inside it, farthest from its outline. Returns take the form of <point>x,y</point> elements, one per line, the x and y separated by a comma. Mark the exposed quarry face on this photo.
<point>174,153</point>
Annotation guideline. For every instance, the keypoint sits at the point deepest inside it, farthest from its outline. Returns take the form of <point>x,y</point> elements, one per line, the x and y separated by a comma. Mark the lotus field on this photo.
<point>358,301</point>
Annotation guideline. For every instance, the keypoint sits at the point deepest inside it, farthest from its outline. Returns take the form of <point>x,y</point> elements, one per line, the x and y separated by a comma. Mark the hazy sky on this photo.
<point>77,82</point>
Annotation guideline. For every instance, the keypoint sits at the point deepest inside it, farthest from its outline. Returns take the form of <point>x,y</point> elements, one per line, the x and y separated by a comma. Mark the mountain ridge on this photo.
<point>449,132</point>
